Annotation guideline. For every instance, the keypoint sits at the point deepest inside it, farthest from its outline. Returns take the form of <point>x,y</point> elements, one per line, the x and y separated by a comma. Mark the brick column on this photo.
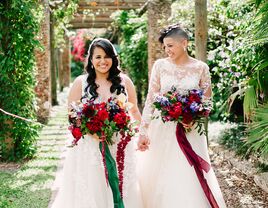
<point>43,84</point>
<point>65,66</point>
<point>158,13</point>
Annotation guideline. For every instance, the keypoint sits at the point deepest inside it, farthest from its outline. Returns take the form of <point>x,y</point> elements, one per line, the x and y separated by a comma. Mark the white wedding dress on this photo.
<point>84,184</point>
<point>167,179</point>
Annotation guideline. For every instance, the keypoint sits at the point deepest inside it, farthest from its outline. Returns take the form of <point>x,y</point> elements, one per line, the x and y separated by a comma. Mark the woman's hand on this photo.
<point>143,143</point>
<point>188,126</point>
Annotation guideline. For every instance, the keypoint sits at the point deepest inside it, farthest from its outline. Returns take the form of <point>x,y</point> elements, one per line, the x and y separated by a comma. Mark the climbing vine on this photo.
<point>19,24</point>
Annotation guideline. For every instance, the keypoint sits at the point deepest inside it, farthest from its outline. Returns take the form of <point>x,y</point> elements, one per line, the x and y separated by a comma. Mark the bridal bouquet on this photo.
<point>183,107</point>
<point>104,120</point>
<point>101,120</point>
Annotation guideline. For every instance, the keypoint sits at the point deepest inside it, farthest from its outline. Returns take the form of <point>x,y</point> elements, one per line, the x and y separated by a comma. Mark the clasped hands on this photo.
<point>144,142</point>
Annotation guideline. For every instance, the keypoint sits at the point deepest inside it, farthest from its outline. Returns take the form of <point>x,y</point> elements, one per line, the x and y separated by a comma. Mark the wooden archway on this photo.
<point>96,14</point>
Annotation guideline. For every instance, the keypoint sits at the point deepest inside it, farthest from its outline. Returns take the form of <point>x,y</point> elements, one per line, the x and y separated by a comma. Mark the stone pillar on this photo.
<point>65,66</point>
<point>43,84</point>
<point>158,13</point>
<point>201,30</point>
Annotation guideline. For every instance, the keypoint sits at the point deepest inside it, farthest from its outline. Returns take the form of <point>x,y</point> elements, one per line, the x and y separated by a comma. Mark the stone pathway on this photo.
<point>234,174</point>
<point>239,189</point>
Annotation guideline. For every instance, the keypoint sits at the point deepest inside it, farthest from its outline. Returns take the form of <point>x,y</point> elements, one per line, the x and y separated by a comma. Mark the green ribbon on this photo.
<point>112,177</point>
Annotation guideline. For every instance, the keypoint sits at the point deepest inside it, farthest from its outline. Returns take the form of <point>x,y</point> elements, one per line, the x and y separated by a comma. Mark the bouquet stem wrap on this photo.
<point>111,173</point>
<point>195,160</point>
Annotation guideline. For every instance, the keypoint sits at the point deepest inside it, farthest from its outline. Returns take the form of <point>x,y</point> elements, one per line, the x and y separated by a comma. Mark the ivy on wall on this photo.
<point>19,24</point>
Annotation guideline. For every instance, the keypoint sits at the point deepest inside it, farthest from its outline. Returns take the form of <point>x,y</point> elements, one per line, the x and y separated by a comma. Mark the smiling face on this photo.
<point>174,47</point>
<point>101,61</point>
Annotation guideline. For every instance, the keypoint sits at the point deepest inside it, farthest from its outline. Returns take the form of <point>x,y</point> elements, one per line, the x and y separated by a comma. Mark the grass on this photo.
<point>29,186</point>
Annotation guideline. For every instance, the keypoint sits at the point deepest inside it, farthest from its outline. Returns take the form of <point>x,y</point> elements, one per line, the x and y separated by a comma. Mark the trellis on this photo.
<point>96,14</point>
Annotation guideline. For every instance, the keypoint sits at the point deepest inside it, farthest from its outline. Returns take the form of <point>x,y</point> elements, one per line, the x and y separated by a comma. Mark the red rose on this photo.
<point>88,110</point>
<point>121,119</point>
<point>76,132</point>
<point>103,115</point>
<point>194,98</point>
<point>175,111</point>
<point>100,105</point>
<point>94,125</point>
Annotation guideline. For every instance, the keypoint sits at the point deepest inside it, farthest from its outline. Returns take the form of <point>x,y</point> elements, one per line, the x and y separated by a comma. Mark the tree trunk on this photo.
<point>201,30</point>
<point>60,69</point>
<point>158,13</point>
<point>201,35</point>
<point>53,66</point>
<point>66,57</point>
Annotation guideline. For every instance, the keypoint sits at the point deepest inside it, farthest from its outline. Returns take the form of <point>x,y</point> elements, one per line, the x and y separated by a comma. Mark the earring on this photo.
<point>184,49</point>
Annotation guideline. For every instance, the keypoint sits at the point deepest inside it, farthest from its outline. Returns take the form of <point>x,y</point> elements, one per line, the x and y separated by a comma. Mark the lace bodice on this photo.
<point>166,74</point>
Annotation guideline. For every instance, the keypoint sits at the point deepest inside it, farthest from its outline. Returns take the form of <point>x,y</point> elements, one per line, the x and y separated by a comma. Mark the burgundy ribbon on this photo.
<point>195,160</point>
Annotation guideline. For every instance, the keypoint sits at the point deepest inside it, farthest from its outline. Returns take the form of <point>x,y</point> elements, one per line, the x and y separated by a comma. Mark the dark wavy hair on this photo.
<point>114,71</point>
<point>175,30</point>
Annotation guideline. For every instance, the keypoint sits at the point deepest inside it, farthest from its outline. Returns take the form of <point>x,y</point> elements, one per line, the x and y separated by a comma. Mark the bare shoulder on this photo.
<point>79,78</point>
<point>78,81</point>
<point>77,84</point>
<point>75,92</point>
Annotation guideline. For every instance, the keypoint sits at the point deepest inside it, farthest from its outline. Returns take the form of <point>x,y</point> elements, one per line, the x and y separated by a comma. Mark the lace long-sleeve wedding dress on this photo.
<point>84,184</point>
<point>166,177</point>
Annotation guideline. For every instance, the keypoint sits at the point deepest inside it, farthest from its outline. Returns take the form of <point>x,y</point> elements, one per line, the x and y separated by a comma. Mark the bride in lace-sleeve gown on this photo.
<point>84,183</point>
<point>166,177</point>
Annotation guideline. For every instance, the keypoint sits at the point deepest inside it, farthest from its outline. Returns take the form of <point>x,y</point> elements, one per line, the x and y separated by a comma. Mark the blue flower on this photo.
<point>162,100</point>
<point>194,107</point>
<point>199,92</point>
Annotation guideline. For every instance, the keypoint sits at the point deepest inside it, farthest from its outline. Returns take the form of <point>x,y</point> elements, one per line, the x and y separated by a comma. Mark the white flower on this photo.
<point>122,98</point>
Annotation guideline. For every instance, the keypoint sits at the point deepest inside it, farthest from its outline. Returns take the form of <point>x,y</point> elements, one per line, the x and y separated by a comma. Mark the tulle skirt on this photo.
<point>166,178</point>
<point>83,183</point>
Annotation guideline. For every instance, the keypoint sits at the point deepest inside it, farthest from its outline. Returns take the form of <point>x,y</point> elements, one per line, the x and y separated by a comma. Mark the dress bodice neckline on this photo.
<point>180,66</point>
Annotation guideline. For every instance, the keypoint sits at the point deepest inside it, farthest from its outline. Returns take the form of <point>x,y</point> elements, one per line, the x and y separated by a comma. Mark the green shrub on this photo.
<point>18,28</point>
<point>234,138</point>
<point>258,131</point>
<point>77,68</point>
<point>133,49</point>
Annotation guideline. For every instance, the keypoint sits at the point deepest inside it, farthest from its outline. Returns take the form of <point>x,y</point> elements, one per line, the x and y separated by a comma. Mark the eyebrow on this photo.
<point>99,55</point>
